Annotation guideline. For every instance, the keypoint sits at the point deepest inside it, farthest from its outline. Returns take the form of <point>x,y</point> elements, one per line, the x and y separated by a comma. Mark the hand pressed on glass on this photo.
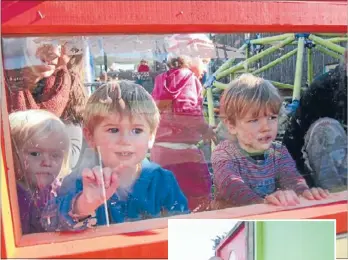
<point>315,194</point>
<point>290,198</point>
<point>283,198</point>
<point>94,182</point>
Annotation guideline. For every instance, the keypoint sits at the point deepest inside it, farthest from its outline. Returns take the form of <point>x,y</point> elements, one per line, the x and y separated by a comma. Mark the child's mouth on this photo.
<point>124,154</point>
<point>43,174</point>
<point>265,140</point>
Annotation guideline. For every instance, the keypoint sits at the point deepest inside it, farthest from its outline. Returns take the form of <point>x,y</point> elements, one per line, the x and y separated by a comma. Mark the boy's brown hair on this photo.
<point>249,93</point>
<point>124,98</point>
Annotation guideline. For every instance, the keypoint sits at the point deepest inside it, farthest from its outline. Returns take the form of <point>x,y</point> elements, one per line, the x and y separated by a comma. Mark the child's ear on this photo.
<point>88,137</point>
<point>152,140</point>
<point>231,128</point>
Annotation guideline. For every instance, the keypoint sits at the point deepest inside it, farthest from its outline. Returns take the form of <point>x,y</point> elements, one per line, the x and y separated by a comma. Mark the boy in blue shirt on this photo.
<point>120,122</point>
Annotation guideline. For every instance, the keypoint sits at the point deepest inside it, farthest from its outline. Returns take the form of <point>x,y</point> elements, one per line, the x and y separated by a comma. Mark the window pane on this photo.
<point>282,129</point>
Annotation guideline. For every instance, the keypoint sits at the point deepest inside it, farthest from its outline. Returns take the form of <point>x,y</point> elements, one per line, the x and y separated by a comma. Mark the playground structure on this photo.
<point>304,41</point>
<point>148,239</point>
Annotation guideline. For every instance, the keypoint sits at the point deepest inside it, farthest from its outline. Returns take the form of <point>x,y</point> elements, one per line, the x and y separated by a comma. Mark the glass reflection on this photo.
<point>284,115</point>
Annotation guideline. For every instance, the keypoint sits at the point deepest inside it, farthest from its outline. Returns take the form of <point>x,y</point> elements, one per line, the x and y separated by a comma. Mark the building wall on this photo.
<point>238,244</point>
<point>300,240</point>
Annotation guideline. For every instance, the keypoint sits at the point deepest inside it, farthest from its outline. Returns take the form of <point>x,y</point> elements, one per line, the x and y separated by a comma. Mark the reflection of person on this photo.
<point>143,72</point>
<point>251,167</point>
<point>143,67</point>
<point>120,121</point>
<point>316,137</point>
<point>41,151</point>
<point>178,94</point>
<point>57,87</point>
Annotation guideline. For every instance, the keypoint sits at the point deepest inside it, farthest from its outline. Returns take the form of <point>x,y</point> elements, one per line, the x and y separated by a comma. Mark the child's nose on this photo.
<point>46,161</point>
<point>265,125</point>
<point>125,139</point>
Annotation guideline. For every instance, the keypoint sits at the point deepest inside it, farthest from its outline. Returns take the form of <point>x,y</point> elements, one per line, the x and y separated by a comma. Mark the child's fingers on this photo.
<point>98,175</point>
<point>326,192</point>
<point>291,198</point>
<point>280,195</point>
<point>318,193</point>
<point>107,177</point>
<point>323,193</point>
<point>308,195</point>
<point>271,199</point>
<point>88,175</point>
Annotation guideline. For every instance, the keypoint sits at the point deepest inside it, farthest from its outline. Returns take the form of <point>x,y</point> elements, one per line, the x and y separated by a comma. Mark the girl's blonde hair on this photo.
<point>249,93</point>
<point>35,123</point>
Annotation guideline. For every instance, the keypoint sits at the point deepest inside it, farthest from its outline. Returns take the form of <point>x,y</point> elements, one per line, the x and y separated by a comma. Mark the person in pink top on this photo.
<point>178,94</point>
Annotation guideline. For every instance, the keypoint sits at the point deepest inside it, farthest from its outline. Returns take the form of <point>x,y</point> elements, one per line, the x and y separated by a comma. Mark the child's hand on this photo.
<point>63,58</point>
<point>93,184</point>
<point>93,194</point>
<point>283,198</point>
<point>315,194</point>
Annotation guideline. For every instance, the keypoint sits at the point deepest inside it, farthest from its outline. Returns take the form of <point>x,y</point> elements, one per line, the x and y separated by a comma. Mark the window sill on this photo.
<point>149,238</point>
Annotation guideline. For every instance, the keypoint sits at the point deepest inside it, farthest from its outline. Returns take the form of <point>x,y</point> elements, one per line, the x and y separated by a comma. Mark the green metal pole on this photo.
<point>275,62</point>
<point>211,114</point>
<point>338,39</point>
<point>254,58</point>
<point>328,52</point>
<point>271,39</point>
<point>220,85</point>
<point>298,73</point>
<point>282,85</point>
<point>309,66</point>
<point>327,44</point>
<point>333,40</point>
<point>210,107</point>
<point>331,34</point>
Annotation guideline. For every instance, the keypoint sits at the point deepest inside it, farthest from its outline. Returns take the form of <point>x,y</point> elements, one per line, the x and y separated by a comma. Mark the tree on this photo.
<point>218,239</point>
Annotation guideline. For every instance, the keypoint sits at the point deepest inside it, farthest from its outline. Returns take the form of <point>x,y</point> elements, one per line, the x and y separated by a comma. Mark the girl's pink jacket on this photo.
<point>178,94</point>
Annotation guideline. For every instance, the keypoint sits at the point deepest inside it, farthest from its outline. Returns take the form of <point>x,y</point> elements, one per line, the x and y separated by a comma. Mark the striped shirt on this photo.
<point>241,180</point>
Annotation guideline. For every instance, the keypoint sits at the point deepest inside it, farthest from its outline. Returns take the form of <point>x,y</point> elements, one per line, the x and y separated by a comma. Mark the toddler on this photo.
<point>120,123</point>
<point>251,167</point>
<point>41,148</point>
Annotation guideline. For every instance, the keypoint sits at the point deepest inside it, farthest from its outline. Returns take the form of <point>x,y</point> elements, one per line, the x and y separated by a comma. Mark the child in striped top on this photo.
<point>251,167</point>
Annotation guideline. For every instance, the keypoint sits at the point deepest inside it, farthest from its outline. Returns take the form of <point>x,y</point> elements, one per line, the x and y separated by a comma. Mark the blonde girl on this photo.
<point>41,147</point>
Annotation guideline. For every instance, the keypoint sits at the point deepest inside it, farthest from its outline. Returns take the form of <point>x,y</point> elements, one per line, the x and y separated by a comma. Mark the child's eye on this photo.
<point>56,155</point>
<point>113,130</point>
<point>35,154</point>
<point>137,130</point>
<point>252,120</point>
<point>273,117</point>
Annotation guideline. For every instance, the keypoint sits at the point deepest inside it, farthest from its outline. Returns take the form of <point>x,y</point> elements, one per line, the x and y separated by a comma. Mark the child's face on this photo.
<point>42,159</point>
<point>255,134</point>
<point>121,140</point>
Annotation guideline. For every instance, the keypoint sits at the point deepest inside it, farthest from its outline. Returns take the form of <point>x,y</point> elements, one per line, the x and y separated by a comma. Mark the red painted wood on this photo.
<point>3,247</point>
<point>235,242</point>
<point>64,17</point>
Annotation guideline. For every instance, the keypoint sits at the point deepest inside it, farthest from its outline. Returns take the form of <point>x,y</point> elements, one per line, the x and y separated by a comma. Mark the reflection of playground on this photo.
<point>255,51</point>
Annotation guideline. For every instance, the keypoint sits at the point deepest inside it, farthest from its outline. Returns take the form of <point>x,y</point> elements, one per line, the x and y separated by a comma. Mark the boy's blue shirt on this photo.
<point>155,193</point>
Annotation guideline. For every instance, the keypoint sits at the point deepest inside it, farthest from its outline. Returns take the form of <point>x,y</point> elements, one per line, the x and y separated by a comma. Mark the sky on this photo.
<point>191,239</point>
